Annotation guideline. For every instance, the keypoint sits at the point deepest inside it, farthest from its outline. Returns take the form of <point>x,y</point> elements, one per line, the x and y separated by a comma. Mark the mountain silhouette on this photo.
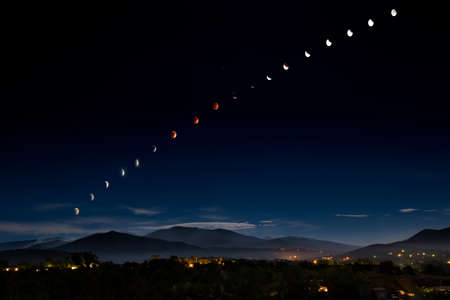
<point>221,238</point>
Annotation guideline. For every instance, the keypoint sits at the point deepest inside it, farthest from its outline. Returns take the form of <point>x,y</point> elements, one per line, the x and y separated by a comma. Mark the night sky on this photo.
<point>350,145</point>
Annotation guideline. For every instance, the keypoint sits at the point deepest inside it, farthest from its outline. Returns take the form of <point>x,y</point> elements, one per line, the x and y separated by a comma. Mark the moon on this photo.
<point>173,134</point>
<point>285,66</point>
<point>77,211</point>
<point>107,184</point>
<point>137,163</point>
<point>307,54</point>
<point>328,43</point>
<point>394,12</point>
<point>215,106</point>
<point>122,172</point>
<point>154,148</point>
<point>268,78</point>
<point>234,95</point>
<point>349,33</point>
<point>92,197</point>
<point>370,23</point>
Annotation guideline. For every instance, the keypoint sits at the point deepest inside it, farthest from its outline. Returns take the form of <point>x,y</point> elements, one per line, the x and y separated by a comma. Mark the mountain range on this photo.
<point>185,241</point>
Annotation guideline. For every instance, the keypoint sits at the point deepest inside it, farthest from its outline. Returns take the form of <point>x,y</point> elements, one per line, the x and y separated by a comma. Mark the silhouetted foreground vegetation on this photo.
<point>241,279</point>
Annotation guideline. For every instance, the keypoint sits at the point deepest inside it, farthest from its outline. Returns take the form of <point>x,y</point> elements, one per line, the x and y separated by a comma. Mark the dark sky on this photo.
<point>350,145</point>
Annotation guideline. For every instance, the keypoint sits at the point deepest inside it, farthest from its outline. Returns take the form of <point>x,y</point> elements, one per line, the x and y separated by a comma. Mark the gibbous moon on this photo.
<point>122,172</point>
<point>137,163</point>
<point>107,184</point>
<point>77,211</point>
<point>92,197</point>
<point>307,54</point>
<point>370,23</point>
<point>215,106</point>
<point>349,33</point>
<point>173,134</point>
<point>394,12</point>
<point>329,43</point>
<point>285,66</point>
<point>196,120</point>
<point>154,148</point>
<point>268,78</point>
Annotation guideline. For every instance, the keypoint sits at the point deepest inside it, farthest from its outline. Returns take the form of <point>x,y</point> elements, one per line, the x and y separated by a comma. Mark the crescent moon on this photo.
<point>307,54</point>
<point>268,78</point>
<point>154,148</point>
<point>285,66</point>
<point>77,211</point>
<point>92,197</point>
<point>122,172</point>
<point>107,184</point>
<point>137,163</point>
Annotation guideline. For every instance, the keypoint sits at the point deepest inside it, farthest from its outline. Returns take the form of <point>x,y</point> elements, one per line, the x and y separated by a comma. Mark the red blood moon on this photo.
<point>196,120</point>
<point>215,106</point>
<point>173,134</point>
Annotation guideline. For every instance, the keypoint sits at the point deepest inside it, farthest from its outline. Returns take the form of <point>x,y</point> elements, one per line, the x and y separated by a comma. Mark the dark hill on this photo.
<point>221,238</point>
<point>121,247</point>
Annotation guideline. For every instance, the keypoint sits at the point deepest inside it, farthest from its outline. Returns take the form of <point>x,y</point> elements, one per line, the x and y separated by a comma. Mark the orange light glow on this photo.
<point>196,120</point>
<point>215,106</point>
<point>173,134</point>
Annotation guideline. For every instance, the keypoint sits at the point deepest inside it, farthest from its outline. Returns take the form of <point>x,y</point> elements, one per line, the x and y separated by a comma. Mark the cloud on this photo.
<point>206,225</point>
<point>430,210</point>
<point>44,228</point>
<point>214,217</point>
<point>352,215</point>
<point>407,210</point>
<point>142,211</point>
<point>265,221</point>
<point>52,206</point>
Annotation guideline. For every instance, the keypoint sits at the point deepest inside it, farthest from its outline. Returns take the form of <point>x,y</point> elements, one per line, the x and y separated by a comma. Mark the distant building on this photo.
<point>155,257</point>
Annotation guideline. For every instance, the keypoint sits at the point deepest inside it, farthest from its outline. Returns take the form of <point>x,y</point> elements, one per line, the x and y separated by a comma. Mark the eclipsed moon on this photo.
<point>307,54</point>
<point>349,33</point>
<point>92,197</point>
<point>77,211</point>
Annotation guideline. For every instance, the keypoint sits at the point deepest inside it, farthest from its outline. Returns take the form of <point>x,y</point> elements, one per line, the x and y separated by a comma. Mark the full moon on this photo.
<point>394,12</point>
<point>370,23</point>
